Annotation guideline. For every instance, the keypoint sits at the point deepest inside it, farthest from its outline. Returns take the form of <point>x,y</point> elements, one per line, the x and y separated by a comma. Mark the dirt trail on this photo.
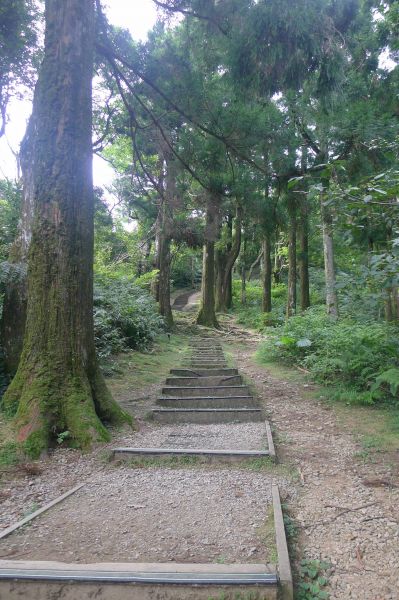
<point>346,511</point>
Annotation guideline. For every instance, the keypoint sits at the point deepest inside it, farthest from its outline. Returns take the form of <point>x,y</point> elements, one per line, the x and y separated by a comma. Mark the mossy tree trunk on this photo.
<point>207,315</point>
<point>58,386</point>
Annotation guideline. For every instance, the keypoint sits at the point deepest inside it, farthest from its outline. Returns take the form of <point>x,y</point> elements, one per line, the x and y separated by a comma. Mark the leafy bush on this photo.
<point>362,357</point>
<point>125,316</point>
<point>251,314</point>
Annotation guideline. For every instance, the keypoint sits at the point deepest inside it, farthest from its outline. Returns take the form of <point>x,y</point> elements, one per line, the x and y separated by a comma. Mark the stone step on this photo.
<point>205,381</point>
<point>45,580</point>
<point>204,455</point>
<point>205,364</point>
<point>208,372</point>
<point>218,391</point>
<point>207,415</point>
<point>207,352</point>
<point>209,402</point>
<point>206,356</point>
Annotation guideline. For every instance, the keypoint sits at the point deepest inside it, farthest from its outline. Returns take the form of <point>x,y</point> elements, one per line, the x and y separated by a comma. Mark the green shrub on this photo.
<point>251,314</point>
<point>362,357</point>
<point>125,316</point>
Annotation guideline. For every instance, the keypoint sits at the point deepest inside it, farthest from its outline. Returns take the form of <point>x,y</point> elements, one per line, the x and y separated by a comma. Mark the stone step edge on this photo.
<point>174,410</point>
<point>193,452</point>
<point>201,397</point>
<point>203,387</point>
<point>142,573</point>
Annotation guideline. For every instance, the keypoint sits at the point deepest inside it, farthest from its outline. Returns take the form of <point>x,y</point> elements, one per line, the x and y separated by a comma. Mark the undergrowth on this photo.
<point>360,359</point>
<point>125,316</point>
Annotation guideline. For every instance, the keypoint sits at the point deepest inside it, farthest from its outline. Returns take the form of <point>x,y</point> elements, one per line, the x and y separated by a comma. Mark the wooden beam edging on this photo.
<point>284,566</point>
<point>44,508</point>
<point>270,442</point>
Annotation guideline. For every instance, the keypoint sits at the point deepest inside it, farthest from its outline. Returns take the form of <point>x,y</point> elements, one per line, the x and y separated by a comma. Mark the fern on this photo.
<point>389,377</point>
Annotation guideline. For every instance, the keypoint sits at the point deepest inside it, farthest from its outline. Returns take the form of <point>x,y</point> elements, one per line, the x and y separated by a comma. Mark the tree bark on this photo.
<point>267,274</point>
<point>164,272</point>
<point>328,251</point>
<point>243,286</point>
<point>207,314</point>
<point>255,264</point>
<point>304,256</point>
<point>225,261</point>
<point>58,386</point>
<point>291,301</point>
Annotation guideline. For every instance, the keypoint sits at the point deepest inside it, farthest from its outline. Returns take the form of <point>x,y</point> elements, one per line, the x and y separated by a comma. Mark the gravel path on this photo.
<point>243,436</point>
<point>154,515</point>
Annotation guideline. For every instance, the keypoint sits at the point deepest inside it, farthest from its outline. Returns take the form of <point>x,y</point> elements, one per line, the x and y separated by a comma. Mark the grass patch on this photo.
<point>8,454</point>
<point>9,450</point>
<point>137,370</point>
<point>267,535</point>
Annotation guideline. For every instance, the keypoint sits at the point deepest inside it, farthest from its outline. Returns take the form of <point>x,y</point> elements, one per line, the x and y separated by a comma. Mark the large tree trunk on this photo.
<point>304,256</point>
<point>207,315</point>
<point>58,386</point>
<point>328,250</point>
<point>291,301</point>
<point>267,274</point>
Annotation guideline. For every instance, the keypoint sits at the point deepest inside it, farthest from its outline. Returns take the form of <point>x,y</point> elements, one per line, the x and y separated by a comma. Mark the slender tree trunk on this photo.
<point>58,385</point>
<point>291,301</point>
<point>230,262</point>
<point>304,257</point>
<point>255,264</point>
<point>277,263</point>
<point>243,286</point>
<point>267,274</point>
<point>157,246</point>
<point>229,289</point>
<point>220,263</point>
<point>389,312</point>
<point>395,300</point>
<point>207,315</point>
<point>164,280</point>
<point>224,264</point>
<point>328,251</point>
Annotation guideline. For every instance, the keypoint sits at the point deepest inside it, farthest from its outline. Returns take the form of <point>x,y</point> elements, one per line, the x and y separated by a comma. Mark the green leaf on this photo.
<point>304,343</point>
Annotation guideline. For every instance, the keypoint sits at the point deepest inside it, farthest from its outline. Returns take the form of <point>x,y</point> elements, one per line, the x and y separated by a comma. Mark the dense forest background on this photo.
<point>255,149</point>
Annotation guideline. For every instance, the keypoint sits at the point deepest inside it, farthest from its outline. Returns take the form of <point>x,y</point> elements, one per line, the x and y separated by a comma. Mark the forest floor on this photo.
<point>338,473</point>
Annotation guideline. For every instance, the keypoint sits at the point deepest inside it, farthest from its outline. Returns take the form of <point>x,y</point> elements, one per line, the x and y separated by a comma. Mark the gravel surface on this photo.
<point>237,436</point>
<point>153,515</point>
